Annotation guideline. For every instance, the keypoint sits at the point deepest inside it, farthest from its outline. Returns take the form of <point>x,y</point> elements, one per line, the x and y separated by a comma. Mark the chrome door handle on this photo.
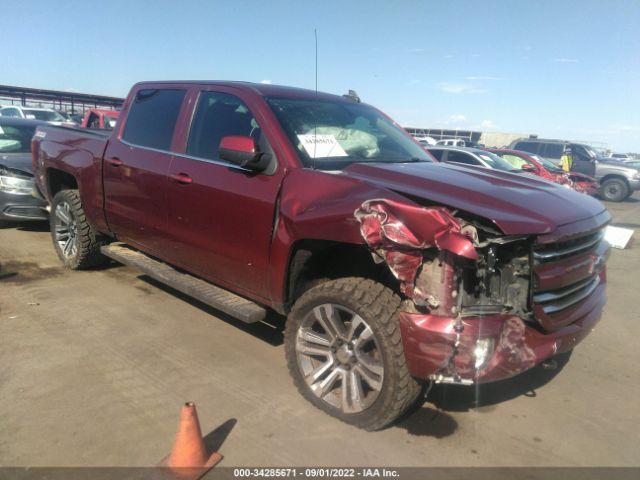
<point>182,178</point>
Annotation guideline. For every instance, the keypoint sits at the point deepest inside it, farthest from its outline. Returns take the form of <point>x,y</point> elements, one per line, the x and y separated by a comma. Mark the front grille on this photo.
<point>24,212</point>
<point>565,249</point>
<point>558,300</point>
<point>566,274</point>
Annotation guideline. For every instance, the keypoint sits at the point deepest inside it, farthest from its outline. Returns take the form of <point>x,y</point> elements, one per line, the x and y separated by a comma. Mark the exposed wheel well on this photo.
<point>315,260</point>
<point>59,180</point>
<point>612,176</point>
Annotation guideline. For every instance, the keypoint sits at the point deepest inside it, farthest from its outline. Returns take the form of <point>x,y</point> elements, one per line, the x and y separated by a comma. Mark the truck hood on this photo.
<point>17,161</point>
<point>517,204</point>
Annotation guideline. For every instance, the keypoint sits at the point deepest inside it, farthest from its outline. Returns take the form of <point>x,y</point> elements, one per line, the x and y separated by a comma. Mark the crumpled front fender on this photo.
<point>399,232</point>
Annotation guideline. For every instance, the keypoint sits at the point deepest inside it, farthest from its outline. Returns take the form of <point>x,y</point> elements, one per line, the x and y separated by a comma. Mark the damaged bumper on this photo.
<point>487,348</point>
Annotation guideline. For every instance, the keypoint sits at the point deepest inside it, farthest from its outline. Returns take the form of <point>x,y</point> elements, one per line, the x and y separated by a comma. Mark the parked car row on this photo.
<point>617,179</point>
<point>95,118</point>
<point>392,269</point>
<point>17,202</point>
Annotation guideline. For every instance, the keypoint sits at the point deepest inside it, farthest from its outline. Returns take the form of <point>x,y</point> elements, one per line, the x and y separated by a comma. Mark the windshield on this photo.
<point>44,115</point>
<point>494,161</point>
<point>329,135</point>
<point>590,151</point>
<point>16,138</point>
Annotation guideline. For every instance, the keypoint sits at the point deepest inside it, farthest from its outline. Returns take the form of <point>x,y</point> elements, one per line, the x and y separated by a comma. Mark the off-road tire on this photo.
<point>615,190</point>
<point>88,240</point>
<point>379,307</point>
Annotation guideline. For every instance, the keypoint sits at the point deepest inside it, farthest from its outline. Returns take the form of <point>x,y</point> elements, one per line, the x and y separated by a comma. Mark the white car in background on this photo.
<point>452,142</point>
<point>43,114</point>
<point>623,157</point>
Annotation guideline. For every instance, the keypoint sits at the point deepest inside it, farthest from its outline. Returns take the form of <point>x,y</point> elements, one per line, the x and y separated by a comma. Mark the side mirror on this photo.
<point>527,167</point>
<point>243,151</point>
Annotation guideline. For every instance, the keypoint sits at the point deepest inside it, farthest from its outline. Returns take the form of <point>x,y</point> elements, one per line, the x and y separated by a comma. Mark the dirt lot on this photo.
<point>94,367</point>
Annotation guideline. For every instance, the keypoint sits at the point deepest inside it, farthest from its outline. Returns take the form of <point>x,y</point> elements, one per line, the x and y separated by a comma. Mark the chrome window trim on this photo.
<point>189,157</point>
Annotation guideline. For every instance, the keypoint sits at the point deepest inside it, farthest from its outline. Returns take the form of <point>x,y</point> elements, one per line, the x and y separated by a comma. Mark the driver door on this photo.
<point>221,216</point>
<point>582,161</point>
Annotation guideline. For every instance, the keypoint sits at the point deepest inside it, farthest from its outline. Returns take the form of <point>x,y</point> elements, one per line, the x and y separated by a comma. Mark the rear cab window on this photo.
<point>152,118</point>
<point>531,147</point>
<point>553,150</point>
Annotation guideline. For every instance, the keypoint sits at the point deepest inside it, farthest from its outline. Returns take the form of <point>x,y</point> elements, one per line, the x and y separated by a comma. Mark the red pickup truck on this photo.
<point>392,270</point>
<point>99,118</point>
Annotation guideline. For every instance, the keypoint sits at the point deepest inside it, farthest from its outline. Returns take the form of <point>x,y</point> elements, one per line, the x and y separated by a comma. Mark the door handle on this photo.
<point>115,161</point>
<point>182,178</point>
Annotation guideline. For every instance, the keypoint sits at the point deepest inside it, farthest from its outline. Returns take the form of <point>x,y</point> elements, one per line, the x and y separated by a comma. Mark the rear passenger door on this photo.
<point>221,216</point>
<point>135,169</point>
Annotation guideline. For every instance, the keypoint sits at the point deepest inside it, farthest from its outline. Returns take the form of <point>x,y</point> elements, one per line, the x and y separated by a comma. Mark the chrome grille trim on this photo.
<point>544,256</point>
<point>557,300</point>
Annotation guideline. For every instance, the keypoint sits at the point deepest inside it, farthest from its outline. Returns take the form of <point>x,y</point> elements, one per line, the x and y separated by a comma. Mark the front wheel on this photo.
<point>76,242</point>
<point>344,352</point>
<point>615,190</point>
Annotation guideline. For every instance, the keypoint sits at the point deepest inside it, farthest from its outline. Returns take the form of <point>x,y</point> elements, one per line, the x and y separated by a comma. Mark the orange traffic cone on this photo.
<point>189,458</point>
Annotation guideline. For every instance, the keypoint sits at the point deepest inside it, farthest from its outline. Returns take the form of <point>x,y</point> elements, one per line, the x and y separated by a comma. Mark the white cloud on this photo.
<point>411,83</point>
<point>416,50</point>
<point>266,81</point>
<point>488,125</point>
<point>458,118</point>
<point>626,128</point>
<point>459,88</point>
<point>484,77</point>
<point>565,60</point>
<point>447,56</point>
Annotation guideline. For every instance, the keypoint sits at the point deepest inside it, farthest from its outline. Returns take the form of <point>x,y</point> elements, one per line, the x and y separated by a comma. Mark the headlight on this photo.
<point>482,352</point>
<point>636,176</point>
<point>10,182</point>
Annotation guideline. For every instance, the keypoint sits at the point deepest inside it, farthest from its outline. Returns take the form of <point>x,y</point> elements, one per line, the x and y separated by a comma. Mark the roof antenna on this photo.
<point>315,124</point>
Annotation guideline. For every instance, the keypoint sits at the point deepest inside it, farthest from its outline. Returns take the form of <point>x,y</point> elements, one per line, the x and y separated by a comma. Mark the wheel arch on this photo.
<point>58,180</point>
<point>614,176</point>
<point>312,260</point>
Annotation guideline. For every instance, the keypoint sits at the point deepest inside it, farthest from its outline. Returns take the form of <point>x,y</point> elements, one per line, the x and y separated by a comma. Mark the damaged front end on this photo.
<point>469,314</point>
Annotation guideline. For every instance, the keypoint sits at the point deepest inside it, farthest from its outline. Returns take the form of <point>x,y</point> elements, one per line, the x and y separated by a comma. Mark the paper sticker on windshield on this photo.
<point>1,131</point>
<point>321,146</point>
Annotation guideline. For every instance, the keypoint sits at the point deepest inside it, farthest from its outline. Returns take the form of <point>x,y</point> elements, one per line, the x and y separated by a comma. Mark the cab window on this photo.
<point>218,115</point>
<point>461,157</point>
<point>152,118</point>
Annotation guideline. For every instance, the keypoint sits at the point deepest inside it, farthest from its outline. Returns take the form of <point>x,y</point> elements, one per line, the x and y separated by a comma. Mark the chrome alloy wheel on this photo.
<point>66,230</point>
<point>340,358</point>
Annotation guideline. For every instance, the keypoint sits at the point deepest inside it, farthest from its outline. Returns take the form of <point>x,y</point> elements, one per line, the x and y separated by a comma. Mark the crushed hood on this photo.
<point>518,204</point>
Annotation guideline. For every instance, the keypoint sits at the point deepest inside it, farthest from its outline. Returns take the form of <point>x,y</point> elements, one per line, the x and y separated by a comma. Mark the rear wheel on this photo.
<point>345,353</point>
<point>615,190</point>
<point>76,242</point>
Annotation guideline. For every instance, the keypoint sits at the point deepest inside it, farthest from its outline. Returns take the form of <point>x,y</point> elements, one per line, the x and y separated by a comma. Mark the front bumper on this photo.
<point>634,184</point>
<point>19,208</point>
<point>429,343</point>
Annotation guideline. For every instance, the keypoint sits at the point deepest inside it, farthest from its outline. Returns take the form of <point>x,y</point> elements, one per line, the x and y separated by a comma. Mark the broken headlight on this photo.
<point>15,182</point>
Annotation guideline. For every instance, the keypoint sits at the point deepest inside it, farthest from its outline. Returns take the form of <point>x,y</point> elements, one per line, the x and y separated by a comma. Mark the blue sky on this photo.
<point>562,69</point>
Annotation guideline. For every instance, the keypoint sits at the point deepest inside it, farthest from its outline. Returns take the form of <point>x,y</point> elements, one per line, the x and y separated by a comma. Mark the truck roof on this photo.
<point>263,89</point>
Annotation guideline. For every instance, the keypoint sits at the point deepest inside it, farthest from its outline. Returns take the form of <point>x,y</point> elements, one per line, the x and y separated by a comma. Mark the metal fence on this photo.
<point>70,102</point>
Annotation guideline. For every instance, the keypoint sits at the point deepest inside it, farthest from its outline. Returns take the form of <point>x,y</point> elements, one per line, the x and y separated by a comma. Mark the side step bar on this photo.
<point>223,300</point>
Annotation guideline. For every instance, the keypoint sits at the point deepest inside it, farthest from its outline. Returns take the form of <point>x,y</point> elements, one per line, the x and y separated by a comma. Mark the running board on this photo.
<point>216,297</point>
